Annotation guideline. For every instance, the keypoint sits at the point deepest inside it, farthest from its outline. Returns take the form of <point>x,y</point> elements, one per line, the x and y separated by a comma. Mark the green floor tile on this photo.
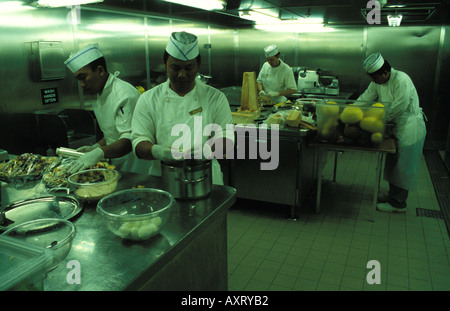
<point>302,284</point>
<point>330,250</point>
<point>254,285</point>
<point>284,280</point>
<point>351,283</point>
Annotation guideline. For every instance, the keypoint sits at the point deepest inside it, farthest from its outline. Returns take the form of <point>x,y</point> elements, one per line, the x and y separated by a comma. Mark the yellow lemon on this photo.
<point>351,115</point>
<point>330,109</point>
<point>376,112</point>
<point>331,123</point>
<point>376,138</point>
<point>371,124</point>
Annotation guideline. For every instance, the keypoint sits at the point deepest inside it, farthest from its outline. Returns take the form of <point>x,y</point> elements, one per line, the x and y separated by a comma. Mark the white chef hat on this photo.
<point>83,57</point>
<point>183,45</point>
<point>271,50</point>
<point>373,63</point>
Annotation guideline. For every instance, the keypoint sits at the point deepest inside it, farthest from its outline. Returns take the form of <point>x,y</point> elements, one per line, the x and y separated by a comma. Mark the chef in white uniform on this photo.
<point>182,101</point>
<point>402,168</point>
<point>276,78</point>
<point>116,100</point>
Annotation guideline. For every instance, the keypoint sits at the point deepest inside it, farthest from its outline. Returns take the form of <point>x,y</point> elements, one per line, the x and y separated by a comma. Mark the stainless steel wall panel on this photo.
<point>133,43</point>
<point>337,52</point>
<point>18,93</point>
<point>251,49</point>
<point>158,32</point>
<point>439,110</point>
<point>121,40</point>
<point>223,57</point>
<point>410,49</point>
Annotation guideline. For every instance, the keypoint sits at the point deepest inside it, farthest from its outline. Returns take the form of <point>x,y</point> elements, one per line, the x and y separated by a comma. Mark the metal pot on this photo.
<point>188,179</point>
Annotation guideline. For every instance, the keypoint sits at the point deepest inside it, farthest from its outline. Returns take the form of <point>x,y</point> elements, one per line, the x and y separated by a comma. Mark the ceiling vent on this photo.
<point>410,13</point>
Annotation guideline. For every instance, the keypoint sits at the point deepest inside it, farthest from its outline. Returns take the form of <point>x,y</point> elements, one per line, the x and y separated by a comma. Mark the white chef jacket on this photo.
<point>277,79</point>
<point>160,109</point>
<point>405,113</point>
<point>114,110</point>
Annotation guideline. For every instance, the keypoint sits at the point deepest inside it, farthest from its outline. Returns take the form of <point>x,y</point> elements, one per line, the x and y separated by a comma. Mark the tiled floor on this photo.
<point>331,250</point>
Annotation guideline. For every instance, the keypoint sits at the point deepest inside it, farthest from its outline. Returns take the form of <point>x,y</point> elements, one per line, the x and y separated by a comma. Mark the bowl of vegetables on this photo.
<point>93,184</point>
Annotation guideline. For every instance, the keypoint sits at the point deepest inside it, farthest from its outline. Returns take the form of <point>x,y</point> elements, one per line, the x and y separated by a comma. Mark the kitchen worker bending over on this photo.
<point>183,101</point>
<point>114,107</point>
<point>276,78</point>
<point>402,168</point>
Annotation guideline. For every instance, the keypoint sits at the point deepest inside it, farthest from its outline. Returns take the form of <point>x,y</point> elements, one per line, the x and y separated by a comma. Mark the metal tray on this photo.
<point>65,207</point>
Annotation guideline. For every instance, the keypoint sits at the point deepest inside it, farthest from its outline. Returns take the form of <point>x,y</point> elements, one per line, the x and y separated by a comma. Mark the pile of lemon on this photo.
<point>368,119</point>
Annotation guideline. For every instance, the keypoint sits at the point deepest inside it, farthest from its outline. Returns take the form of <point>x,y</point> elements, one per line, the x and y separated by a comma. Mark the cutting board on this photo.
<point>249,97</point>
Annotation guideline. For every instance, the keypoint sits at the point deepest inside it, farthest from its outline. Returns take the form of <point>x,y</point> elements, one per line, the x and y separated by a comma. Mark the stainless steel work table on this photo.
<point>387,146</point>
<point>292,179</point>
<point>190,253</point>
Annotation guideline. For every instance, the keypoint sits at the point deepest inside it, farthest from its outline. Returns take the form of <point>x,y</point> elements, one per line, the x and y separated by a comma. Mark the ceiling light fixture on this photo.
<point>297,26</point>
<point>208,5</point>
<point>394,20</point>
<point>61,3</point>
<point>293,27</point>
<point>13,6</point>
<point>258,17</point>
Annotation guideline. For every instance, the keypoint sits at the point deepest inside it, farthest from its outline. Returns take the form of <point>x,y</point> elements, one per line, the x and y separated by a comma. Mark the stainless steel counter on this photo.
<point>108,262</point>
<point>292,179</point>
<point>341,95</point>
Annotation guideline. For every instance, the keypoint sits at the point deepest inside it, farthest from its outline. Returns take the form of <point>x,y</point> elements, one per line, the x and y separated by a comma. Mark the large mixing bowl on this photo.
<point>136,214</point>
<point>94,184</point>
<point>55,234</point>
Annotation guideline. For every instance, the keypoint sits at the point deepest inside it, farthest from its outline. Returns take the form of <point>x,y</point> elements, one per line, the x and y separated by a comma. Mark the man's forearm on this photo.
<point>117,149</point>
<point>143,150</point>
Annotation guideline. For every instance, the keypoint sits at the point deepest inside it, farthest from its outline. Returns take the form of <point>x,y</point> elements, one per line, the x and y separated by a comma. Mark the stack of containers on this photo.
<point>351,122</point>
<point>23,266</point>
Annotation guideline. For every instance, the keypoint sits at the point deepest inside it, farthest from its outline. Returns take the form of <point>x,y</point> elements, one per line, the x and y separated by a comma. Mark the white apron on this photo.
<point>402,168</point>
<point>271,83</point>
<point>176,111</point>
<point>276,79</point>
<point>105,112</point>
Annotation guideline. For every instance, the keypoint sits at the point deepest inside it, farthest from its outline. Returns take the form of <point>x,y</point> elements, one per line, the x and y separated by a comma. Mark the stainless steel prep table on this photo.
<point>387,146</point>
<point>189,254</point>
<point>290,183</point>
<point>294,178</point>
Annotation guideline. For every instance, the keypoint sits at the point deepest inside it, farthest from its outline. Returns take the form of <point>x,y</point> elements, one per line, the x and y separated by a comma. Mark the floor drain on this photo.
<point>423,212</point>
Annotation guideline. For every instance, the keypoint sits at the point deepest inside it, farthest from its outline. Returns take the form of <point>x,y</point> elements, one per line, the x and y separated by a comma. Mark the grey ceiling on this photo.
<point>334,12</point>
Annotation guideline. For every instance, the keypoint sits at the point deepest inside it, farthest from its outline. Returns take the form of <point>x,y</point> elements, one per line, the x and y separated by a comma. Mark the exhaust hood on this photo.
<point>333,12</point>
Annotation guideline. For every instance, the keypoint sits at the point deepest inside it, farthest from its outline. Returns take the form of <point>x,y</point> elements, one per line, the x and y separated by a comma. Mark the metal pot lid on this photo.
<point>63,207</point>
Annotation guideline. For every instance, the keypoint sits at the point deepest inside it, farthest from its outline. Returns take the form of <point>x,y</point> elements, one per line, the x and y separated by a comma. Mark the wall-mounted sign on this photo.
<point>49,96</point>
